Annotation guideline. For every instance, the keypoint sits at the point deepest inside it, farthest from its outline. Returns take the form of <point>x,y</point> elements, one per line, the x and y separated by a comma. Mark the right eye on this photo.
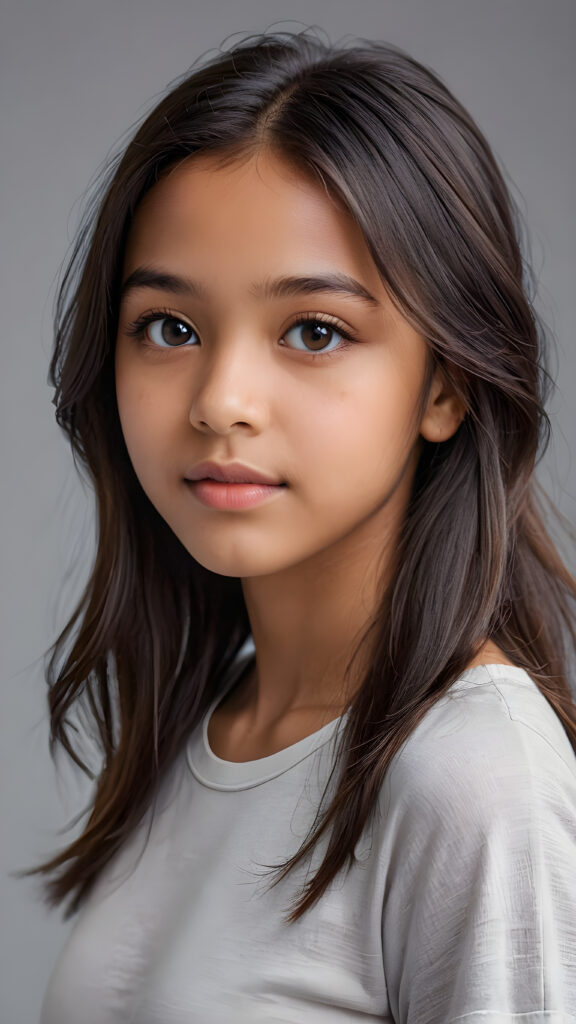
<point>169,331</point>
<point>162,331</point>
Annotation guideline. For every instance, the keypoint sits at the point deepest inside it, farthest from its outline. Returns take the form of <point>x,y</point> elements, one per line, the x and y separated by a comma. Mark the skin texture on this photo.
<point>342,431</point>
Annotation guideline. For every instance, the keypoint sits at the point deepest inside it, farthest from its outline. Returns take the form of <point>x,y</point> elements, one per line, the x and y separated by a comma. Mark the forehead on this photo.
<point>263,177</point>
<point>260,209</point>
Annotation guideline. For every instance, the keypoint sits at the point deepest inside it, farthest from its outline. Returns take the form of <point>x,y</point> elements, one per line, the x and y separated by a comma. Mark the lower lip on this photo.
<point>214,494</point>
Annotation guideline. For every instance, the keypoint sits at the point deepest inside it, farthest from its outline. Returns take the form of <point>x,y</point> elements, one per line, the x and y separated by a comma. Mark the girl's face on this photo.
<point>212,363</point>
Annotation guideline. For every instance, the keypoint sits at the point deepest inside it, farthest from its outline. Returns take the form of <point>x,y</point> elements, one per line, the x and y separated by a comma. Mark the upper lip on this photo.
<point>230,472</point>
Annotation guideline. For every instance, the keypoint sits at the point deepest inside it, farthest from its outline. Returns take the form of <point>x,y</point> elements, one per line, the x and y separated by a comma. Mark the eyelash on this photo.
<point>137,329</point>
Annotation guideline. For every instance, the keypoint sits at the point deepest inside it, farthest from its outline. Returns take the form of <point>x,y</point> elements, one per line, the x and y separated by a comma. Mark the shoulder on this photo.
<point>492,745</point>
<point>477,856</point>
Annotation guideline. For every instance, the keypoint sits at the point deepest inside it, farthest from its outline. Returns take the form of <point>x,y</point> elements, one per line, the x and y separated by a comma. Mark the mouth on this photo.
<point>232,495</point>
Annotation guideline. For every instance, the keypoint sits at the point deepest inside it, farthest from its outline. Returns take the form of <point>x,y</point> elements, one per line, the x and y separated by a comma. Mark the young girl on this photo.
<point>327,641</point>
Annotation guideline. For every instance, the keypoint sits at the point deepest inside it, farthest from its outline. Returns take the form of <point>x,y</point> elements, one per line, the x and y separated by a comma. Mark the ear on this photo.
<point>444,410</point>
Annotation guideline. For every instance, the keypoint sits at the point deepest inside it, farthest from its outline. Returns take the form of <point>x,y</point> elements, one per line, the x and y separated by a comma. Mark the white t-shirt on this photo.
<point>460,905</point>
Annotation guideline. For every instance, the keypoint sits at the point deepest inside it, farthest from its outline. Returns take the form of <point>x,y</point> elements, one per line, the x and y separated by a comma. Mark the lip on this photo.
<point>231,472</point>
<point>232,496</point>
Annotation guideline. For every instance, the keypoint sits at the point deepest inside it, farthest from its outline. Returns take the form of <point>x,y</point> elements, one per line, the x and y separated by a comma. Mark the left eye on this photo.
<point>169,331</point>
<point>315,333</point>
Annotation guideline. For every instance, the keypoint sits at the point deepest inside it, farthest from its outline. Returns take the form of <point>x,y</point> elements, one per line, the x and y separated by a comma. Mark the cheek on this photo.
<point>144,417</point>
<point>363,433</point>
<point>131,402</point>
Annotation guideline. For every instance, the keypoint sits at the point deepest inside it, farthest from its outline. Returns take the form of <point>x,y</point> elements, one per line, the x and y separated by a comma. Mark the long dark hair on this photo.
<point>154,631</point>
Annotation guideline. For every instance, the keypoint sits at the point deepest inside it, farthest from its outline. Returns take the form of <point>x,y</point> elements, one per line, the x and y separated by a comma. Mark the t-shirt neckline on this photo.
<point>216,773</point>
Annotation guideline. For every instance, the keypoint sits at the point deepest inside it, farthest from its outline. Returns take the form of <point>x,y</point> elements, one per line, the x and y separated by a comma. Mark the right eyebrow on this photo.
<point>336,283</point>
<point>145,277</point>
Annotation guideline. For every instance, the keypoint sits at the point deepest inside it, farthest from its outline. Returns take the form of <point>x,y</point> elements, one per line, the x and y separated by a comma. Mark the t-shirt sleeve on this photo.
<point>479,913</point>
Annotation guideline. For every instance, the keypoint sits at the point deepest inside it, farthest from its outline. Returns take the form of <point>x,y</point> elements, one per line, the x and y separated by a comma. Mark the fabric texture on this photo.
<point>459,907</point>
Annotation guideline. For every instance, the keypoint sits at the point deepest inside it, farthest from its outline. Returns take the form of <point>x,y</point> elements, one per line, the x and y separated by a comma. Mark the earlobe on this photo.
<point>444,411</point>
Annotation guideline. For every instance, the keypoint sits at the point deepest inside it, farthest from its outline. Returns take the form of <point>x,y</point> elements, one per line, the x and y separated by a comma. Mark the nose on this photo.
<point>229,389</point>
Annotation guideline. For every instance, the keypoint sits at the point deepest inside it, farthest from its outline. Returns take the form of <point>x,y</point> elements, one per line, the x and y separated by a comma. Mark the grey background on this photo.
<point>75,75</point>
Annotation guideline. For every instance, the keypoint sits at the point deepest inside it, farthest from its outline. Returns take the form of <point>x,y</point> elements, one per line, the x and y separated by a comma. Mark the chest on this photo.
<point>186,931</point>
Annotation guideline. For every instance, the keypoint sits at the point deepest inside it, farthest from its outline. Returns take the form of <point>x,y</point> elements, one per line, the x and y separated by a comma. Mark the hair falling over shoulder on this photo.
<point>154,631</point>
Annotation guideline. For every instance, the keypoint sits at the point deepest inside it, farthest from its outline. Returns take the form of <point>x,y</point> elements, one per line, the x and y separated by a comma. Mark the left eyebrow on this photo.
<point>271,288</point>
